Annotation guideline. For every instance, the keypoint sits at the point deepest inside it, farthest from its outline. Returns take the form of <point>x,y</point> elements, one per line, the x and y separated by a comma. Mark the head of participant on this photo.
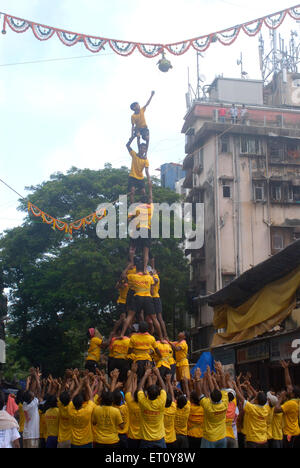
<point>91,333</point>
<point>216,396</point>
<point>153,392</point>
<point>135,107</point>
<point>294,393</point>
<point>143,150</point>
<point>261,399</point>
<point>107,398</point>
<point>143,327</point>
<point>181,336</point>
<point>139,266</point>
<point>181,401</point>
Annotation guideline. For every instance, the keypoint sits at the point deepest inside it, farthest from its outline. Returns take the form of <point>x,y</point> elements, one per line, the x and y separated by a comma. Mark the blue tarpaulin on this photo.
<point>206,359</point>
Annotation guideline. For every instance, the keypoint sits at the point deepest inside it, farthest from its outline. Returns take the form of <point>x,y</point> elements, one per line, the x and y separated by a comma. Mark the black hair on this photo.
<point>78,401</point>
<point>2,400</point>
<point>143,327</point>
<point>153,392</point>
<point>231,396</point>
<point>262,398</point>
<point>216,396</point>
<point>195,398</point>
<point>139,265</point>
<point>28,397</point>
<point>19,397</point>
<point>181,401</point>
<point>117,397</point>
<point>106,398</point>
<point>52,401</point>
<point>169,400</point>
<point>135,396</point>
<point>132,106</point>
<point>65,398</point>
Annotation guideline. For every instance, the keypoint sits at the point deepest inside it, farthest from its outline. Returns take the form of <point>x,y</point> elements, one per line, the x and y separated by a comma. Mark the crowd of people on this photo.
<point>148,407</point>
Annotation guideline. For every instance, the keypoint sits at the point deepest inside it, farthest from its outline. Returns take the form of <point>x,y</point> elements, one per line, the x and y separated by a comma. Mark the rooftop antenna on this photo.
<point>244,74</point>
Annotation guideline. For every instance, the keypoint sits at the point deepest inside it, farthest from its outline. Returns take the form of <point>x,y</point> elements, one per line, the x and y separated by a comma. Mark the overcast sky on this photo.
<point>75,112</point>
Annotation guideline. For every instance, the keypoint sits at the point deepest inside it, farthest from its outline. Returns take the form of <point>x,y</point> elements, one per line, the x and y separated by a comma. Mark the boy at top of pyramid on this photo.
<point>138,121</point>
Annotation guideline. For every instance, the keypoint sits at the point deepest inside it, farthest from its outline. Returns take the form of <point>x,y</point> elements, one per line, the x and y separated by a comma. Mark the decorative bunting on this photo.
<point>62,225</point>
<point>125,48</point>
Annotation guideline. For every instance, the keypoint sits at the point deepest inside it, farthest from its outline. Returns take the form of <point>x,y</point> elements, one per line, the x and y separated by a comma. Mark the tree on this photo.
<point>60,287</point>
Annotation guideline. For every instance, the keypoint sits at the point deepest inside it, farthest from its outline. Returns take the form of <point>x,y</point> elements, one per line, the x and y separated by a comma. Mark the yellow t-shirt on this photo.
<point>134,430</point>
<point>269,423</point>
<point>195,421</point>
<point>64,431</point>
<point>119,348</point>
<point>214,427</point>
<point>164,349</point>
<point>144,211</point>
<point>141,344</point>
<point>52,422</point>
<point>277,425</point>
<point>125,416</point>
<point>123,290</point>
<point>256,422</point>
<point>137,166</point>
<point>82,433</point>
<point>106,421</point>
<point>291,417</point>
<point>181,419</point>
<point>171,357</point>
<point>156,286</point>
<point>152,416</point>
<point>138,120</point>
<point>43,427</point>
<point>141,284</point>
<point>21,417</point>
<point>94,349</point>
<point>169,423</point>
<point>181,356</point>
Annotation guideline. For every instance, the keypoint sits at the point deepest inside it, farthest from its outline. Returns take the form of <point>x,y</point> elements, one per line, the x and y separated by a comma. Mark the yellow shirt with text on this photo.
<point>134,430</point>
<point>257,416</point>
<point>106,421</point>
<point>152,416</point>
<point>214,427</point>
<point>65,431</point>
<point>195,421</point>
<point>290,411</point>
<point>138,120</point>
<point>141,284</point>
<point>81,424</point>
<point>169,423</point>
<point>181,419</point>
<point>119,348</point>
<point>141,344</point>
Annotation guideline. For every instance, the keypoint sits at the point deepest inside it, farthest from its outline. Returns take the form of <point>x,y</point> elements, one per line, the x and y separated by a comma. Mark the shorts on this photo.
<point>91,366</point>
<point>121,308</point>
<point>157,305</point>
<point>144,132</point>
<point>31,443</point>
<point>143,241</point>
<point>122,365</point>
<point>130,299</point>
<point>144,303</point>
<point>139,184</point>
<point>183,372</point>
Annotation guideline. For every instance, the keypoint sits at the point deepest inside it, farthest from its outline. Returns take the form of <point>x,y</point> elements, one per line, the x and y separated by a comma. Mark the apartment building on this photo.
<point>247,174</point>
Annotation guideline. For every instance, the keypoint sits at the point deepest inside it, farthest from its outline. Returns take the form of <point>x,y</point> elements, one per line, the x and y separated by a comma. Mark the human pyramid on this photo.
<point>145,397</point>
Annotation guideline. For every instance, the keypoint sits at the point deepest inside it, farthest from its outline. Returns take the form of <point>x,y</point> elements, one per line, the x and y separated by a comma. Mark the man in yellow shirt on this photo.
<point>141,345</point>
<point>138,121</point>
<point>157,300</point>
<point>152,412</point>
<point>107,422</point>
<point>118,352</point>
<point>180,348</point>
<point>94,351</point>
<point>52,422</point>
<point>139,162</point>
<point>163,362</point>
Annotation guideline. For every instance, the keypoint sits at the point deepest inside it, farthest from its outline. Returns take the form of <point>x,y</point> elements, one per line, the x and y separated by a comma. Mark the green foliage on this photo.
<point>59,287</point>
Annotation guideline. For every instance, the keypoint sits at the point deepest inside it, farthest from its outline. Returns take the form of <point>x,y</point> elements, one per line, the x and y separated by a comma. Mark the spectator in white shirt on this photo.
<point>9,428</point>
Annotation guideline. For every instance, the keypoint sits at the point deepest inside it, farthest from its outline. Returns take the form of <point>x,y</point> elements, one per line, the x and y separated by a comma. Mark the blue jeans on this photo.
<point>218,444</point>
<point>147,444</point>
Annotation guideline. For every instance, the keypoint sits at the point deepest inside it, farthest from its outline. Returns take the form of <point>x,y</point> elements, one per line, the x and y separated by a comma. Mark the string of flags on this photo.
<point>63,225</point>
<point>125,48</point>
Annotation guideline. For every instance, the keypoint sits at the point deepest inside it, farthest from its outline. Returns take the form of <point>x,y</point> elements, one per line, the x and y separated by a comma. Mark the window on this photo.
<point>277,241</point>
<point>224,144</point>
<point>259,191</point>
<point>250,145</point>
<point>276,192</point>
<point>226,191</point>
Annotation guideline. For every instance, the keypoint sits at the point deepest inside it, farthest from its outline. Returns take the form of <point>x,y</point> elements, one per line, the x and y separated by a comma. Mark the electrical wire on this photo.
<point>52,60</point>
